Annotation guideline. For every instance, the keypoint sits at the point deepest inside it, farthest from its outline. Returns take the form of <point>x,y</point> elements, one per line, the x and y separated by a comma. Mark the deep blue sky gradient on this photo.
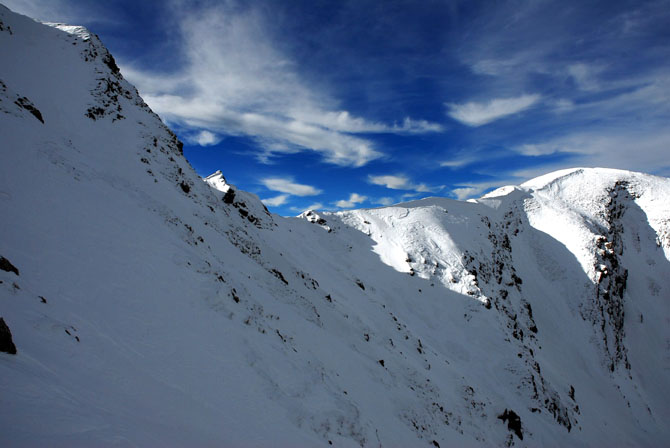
<point>550,85</point>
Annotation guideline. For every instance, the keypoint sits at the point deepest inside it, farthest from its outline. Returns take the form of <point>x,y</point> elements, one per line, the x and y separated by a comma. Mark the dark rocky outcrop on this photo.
<point>26,104</point>
<point>7,266</point>
<point>229,196</point>
<point>513,422</point>
<point>6,342</point>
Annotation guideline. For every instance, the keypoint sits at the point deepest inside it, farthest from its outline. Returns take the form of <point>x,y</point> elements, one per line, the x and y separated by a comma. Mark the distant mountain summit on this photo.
<point>147,306</point>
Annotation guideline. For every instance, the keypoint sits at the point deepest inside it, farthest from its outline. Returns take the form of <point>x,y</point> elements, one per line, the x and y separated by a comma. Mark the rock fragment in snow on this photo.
<point>7,266</point>
<point>6,342</point>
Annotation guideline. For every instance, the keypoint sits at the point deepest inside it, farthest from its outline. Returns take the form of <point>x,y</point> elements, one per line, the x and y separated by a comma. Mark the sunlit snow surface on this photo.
<point>173,318</point>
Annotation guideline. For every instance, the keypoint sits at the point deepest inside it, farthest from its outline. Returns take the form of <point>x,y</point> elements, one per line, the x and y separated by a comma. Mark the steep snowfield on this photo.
<point>152,308</point>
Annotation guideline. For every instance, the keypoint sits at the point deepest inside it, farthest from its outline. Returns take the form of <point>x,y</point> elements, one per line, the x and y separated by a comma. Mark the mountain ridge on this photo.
<point>151,307</point>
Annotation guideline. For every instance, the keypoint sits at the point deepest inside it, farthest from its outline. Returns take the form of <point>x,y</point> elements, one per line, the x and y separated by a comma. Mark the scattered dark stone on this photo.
<point>42,299</point>
<point>180,146</point>
<point>279,275</point>
<point>109,61</point>
<point>487,303</point>
<point>26,104</point>
<point>184,186</point>
<point>367,337</point>
<point>281,336</point>
<point>435,444</point>
<point>381,362</point>
<point>513,422</point>
<point>236,298</point>
<point>5,265</point>
<point>6,342</point>
<point>144,160</point>
<point>360,284</point>
<point>229,197</point>
<point>571,394</point>
<point>328,298</point>
<point>95,112</point>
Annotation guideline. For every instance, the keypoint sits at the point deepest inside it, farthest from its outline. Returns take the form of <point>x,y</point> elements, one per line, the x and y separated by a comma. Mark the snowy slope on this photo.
<point>150,307</point>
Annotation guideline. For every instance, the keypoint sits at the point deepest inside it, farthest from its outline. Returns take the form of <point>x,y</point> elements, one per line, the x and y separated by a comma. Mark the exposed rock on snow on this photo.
<point>6,342</point>
<point>7,266</point>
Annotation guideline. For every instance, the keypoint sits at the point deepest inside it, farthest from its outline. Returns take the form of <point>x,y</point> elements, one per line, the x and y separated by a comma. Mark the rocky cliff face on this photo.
<point>150,307</point>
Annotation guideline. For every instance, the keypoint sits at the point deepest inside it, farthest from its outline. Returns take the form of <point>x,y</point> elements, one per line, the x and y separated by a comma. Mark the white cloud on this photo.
<point>476,189</point>
<point>69,12</point>
<point>563,105</point>
<point>585,76</point>
<point>478,114</point>
<point>643,150</point>
<point>276,201</point>
<point>354,199</point>
<point>204,138</point>
<point>342,121</point>
<point>285,185</point>
<point>464,193</point>
<point>386,201</point>
<point>538,149</point>
<point>236,82</point>
<point>315,206</point>
<point>458,162</point>
<point>399,182</point>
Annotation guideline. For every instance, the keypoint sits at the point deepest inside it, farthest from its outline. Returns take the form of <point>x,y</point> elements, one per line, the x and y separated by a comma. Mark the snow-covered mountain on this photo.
<point>151,308</point>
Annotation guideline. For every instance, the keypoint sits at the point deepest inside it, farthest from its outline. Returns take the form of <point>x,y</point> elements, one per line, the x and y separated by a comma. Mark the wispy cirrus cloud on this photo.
<point>288,186</point>
<point>400,182</point>
<point>276,201</point>
<point>385,201</point>
<point>354,198</point>
<point>613,150</point>
<point>313,206</point>
<point>237,82</point>
<point>473,190</point>
<point>64,11</point>
<point>478,114</point>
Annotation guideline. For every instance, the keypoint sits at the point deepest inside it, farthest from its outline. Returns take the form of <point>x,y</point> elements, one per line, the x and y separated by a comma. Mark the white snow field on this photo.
<point>151,308</point>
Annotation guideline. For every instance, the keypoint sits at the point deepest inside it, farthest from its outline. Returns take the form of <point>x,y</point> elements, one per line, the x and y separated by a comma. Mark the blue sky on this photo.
<point>340,104</point>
